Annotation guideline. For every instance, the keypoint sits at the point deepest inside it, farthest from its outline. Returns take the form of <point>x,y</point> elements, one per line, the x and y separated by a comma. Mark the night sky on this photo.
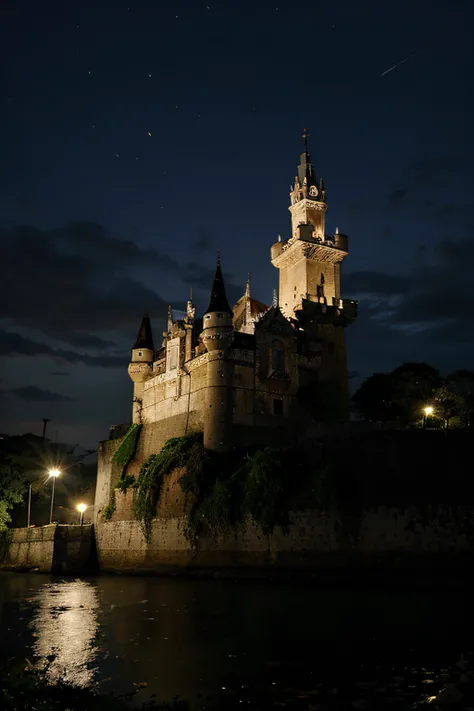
<point>138,139</point>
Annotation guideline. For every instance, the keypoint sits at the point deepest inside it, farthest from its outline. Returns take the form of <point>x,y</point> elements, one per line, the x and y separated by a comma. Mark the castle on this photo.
<point>253,373</point>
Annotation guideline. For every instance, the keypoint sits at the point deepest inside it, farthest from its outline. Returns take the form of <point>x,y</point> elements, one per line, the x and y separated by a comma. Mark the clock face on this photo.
<point>313,191</point>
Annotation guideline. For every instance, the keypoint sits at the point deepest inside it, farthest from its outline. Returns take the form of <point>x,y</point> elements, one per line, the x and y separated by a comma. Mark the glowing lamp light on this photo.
<point>428,410</point>
<point>81,508</point>
<point>52,474</point>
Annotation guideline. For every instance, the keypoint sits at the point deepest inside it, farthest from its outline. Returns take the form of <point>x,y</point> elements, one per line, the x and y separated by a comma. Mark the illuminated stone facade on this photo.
<point>246,373</point>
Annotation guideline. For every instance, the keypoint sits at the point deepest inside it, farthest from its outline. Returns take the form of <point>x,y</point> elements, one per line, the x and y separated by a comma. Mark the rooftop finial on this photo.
<point>247,287</point>
<point>218,258</point>
<point>305,139</point>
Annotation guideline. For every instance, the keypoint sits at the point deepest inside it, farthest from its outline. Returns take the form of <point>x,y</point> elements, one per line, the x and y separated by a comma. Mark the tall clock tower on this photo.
<point>309,261</point>
<point>309,264</point>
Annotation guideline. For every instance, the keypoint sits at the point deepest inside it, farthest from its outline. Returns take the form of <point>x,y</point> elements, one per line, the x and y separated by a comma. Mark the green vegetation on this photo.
<point>127,447</point>
<point>125,482</point>
<point>177,452</point>
<point>347,474</point>
<point>229,488</point>
<point>109,510</point>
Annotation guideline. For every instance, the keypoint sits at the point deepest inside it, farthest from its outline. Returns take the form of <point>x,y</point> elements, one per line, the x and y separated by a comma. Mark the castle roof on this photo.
<point>145,336</point>
<point>240,310</point>
<point>218,300</point>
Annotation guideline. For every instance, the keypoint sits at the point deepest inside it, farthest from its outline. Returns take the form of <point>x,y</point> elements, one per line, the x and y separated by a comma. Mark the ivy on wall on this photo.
<point>109,510</point>
<point>127,447</point>
<point>176,452</point>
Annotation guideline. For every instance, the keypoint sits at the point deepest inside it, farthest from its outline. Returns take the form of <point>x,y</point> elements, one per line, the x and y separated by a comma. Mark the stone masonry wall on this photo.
<point>315,540</point>
<point>58,549</point>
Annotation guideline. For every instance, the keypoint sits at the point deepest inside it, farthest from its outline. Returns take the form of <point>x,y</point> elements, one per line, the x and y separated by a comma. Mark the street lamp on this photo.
<point>81,508</point>
<point>428,411</point>
<point>29,507</point>
<point>53,474</point>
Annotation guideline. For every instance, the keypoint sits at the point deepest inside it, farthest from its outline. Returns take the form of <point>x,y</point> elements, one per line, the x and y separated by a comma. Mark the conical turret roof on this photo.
<point>145,336</point>
<point>218,300</point>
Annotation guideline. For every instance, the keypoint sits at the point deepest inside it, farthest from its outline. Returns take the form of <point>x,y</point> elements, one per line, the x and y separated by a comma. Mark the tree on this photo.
<point>399,395</point>
<point>12,487</point>
<point>461,383</point>
<point>414,387</point>
<point>374,398</point>
<point>448,404</point>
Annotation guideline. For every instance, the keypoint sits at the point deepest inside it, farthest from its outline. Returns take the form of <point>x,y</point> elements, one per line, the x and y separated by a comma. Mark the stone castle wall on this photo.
<point>315,540</point>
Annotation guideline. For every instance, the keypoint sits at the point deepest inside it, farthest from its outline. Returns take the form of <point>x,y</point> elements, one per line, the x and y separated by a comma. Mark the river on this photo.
<point>181,637</point>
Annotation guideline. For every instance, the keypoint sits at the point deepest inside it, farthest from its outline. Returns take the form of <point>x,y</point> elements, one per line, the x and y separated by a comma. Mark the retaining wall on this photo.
<point>50,549</point>
<point>314,540</point>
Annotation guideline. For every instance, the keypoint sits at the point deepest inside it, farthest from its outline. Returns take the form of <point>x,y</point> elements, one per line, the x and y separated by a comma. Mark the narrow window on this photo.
<point>278,362</point>
<point>173,358</point>
<point>277,407</point>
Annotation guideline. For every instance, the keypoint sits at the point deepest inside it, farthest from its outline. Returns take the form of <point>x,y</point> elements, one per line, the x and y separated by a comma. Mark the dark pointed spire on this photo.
<point>145,336</point>
<point>218,300</point>
<point>305,168</point>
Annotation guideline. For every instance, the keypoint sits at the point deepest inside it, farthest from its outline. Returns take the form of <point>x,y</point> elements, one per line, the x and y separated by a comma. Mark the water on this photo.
<point>185,637</point>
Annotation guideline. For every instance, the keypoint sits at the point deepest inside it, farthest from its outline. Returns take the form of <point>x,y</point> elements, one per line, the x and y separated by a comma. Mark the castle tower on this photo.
<point>141,365</point>
<point>217,336</point>
<point>309,262</point>
<point>309,265</point>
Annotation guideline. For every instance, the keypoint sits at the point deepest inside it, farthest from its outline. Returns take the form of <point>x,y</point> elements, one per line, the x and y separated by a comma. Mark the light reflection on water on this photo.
<point>65,625</point>
<point>184,637</point>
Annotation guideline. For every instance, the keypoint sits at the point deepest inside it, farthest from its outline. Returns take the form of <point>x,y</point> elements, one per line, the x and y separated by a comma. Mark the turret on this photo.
<point>276,248</point>
<point>217,336</point>
<point>141,365</point>
<point>217,324</point>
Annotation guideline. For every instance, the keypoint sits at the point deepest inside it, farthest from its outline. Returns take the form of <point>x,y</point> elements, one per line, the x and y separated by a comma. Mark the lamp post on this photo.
<point>81,508</point>
<point>29,507</point>
<point>428,411</point>
<point>53,474</point>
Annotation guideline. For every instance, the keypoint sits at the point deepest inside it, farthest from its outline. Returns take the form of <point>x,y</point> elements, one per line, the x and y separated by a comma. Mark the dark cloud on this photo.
<point>370,282</point>
<point>77,282</point>
<point>14,344</point>
<point>203,242</point>
<point>422,175</point>
<point>434,167</point>
<point>59,373</point>
<point>201,277</point>
<point>34,394</point>
<point>429,310</point>
<point>397,198</point>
